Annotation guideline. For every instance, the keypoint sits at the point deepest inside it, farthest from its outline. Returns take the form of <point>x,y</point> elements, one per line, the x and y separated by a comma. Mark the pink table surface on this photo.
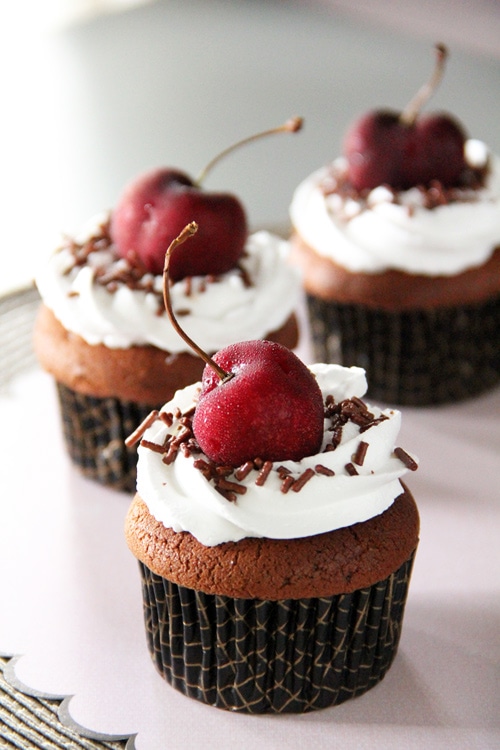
<point>70,599</point>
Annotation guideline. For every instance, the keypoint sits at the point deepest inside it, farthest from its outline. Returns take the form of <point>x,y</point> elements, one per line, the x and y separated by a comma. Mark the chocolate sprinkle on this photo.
<point>301,481</point>
<point>243,470</point>
<point>320,469</point>
<point>225,484</point>
<point>131,271</point>
<point>226,479</point>
<point>287,482</point>
<point>406,459</point>
<point>434,195</point>
<point>139,431</point>
<point>153,446</point>
<point>264,473</point>
<point>359,456</point>
<point>351,469</point>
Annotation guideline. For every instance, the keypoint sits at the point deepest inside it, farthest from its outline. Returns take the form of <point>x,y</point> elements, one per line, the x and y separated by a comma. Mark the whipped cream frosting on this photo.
<point>216,313</point>
<point>180,497</point>
<point>388,230</point>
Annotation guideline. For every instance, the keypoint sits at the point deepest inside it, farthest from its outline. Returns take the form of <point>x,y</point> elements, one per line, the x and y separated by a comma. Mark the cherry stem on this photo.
<point>293,125</point>
<point>187,232</point>
<point>410,112</point>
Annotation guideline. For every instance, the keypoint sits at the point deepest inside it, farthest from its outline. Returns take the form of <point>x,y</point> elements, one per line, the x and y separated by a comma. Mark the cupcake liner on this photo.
<point>413,358</point>
<point>285,656</point>
<point>95,430</point>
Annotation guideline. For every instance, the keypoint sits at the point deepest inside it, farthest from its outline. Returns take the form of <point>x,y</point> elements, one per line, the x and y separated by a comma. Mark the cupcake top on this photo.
<point>430,231</point>
<point>113,301</point>
<point>354,477</point>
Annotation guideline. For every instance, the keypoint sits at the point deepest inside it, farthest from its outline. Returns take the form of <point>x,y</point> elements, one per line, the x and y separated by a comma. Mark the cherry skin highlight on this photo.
<point>269,407</point>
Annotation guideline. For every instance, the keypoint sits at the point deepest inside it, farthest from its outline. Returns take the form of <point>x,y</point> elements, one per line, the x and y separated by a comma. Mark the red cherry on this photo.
<point>271,408</point>
<point>374,147</point>
<point>258,399</point>
<point>400,150</point>
<point>437,153</point>
<point>156,206</point>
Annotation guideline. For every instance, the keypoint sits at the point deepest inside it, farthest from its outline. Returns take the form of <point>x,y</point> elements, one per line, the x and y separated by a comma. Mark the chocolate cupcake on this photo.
<point>103,334</point>
<point>399,243</point>
<point>276,586</point>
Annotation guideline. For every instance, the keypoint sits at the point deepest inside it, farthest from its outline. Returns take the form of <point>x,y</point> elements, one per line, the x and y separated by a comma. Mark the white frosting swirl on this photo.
<point>179,496</point>
<point>380,234</point>
<point>217,313</point>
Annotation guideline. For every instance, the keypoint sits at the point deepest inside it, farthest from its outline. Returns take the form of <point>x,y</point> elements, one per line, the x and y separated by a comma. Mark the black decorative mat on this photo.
<point>17,315</point>
<point>30,719</point>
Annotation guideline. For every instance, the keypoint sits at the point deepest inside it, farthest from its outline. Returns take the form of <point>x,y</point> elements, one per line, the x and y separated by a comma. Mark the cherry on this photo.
<point>258,399</point>
<point>271,407</point>
<point>401,149</point>
<point>157,205</point>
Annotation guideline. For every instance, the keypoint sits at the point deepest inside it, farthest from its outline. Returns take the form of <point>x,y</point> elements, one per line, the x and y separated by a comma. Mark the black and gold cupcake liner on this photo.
<point>413,358</point>
<point>285,656</point>
<point>95,430</point>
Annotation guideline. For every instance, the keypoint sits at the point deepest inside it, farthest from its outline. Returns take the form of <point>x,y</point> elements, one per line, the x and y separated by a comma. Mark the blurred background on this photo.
<point>96,91</point>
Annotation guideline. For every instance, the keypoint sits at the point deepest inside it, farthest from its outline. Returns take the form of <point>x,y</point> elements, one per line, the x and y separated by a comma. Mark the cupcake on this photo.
<point>399,243</point>
<point>102,331</point>
<point>278,585</point>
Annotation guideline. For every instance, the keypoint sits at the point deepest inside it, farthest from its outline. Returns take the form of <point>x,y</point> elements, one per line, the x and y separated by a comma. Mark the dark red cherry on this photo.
<point>157,205</point>
<point>437,152</point>
<point>402,150</point>
<point>270,408</point>
<point>258,399</point>
<point>374,146</point>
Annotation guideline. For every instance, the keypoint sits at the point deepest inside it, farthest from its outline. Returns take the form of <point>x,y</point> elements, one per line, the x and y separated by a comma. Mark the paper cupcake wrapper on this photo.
<point>286,656</point>
<point>95,430</point>
<point>412,358</point>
